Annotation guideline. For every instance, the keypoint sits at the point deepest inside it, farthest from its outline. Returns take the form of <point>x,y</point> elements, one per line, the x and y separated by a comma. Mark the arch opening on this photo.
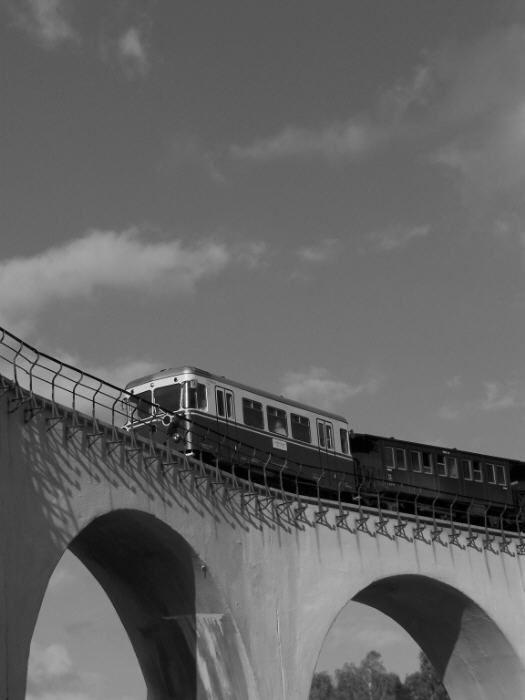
<point>184,638</point>
<point>365,654</point>
<point>79,647</point>
<point>468,651</point>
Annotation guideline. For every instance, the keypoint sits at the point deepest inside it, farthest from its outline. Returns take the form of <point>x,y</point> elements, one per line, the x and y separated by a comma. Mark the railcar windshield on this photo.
<point>140,405</point>
<point>169,397</point>
<point>190,394</point>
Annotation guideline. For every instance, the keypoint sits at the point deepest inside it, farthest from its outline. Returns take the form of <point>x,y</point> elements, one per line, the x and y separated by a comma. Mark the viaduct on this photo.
<point>227,591</point>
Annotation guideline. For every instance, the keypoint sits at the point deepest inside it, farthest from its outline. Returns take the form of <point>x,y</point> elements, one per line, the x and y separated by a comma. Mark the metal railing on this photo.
<point>255,475</point>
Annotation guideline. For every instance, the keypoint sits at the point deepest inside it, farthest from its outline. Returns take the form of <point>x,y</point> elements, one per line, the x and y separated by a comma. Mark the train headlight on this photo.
<point>167,420</point>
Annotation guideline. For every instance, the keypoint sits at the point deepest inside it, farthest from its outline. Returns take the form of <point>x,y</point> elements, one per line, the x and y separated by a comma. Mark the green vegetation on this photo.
<point>371,681</point>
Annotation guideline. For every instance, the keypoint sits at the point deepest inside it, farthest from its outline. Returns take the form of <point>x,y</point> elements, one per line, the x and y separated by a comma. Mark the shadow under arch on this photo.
<point>185,639</point>
<point>469,652</point>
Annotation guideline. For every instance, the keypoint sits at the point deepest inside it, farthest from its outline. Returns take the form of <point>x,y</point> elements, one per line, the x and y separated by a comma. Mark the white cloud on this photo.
<point>396,237</point>
<point>454,382</point>
<point>45,20</point>
<point>133,53</point>
<point>186,151</point>
<point>349,139</point>
<point>396,102</point>
<point>51,671</point>
<point>250,253</point>
<point>104,259</point>
<point>318,388</point>
<point>499,396</point>
<point>481,107</point>
<point>464,104</point>
<point>321,252</point>
<point>60,578</point>
<point>449,412</point>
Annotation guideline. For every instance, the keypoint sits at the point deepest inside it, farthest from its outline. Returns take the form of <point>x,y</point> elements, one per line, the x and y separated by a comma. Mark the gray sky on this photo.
<point>320,199</point>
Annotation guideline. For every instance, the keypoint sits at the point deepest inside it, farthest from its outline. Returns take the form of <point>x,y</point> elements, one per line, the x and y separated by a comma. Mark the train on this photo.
<point>288,445</point>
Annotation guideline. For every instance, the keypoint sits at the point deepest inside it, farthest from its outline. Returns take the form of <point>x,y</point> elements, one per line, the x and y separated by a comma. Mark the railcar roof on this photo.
<point>454,450</point>
<point>186,369</point>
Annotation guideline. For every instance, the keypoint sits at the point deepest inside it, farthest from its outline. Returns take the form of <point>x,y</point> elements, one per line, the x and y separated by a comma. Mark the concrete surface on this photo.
<point>221,601</point>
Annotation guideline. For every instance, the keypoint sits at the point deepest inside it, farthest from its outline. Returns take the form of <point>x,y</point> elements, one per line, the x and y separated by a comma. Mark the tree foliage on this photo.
<point>424,684</point>
<point>371,681</point>
<point>322,687</point>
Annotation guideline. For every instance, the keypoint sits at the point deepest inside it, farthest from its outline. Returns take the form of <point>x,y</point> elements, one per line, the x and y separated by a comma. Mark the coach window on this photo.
<point>344,440</point>
<point>401,460</point>
<point>428,467</point>
<point>253,413</point>
<point>224,401</point>
<point>300,427</point>
<point>221,406</point>
<point>277,422</point>
<point>415,460</point>
<point>501,475</point>
<point>490,473</point>
<point>388,457</point>
<point>325,434</point>
<point>195,395</point>
<point>451,464</point>
<point>466,469</point>
<point>229,405</point>
<point>477,471</point>
<point>329,436</point>
<point>441,467</point>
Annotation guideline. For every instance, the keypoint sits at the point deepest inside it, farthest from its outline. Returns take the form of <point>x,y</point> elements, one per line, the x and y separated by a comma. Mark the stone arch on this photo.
<point>469,651</point>
<point>185,639</point>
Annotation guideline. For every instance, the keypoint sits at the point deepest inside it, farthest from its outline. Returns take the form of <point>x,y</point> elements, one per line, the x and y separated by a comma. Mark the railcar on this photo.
<point>439,478</point>
<point>284,443</point>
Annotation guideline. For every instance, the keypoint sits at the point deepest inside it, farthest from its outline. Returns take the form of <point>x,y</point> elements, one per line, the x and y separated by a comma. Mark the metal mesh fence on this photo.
<point>42,375</point>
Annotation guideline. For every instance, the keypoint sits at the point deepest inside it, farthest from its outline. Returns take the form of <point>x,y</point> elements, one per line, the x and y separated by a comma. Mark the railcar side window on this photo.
<point>490,473</point>
<point>451,464</point>
<point>168,397</point>
<point>477,470</point>
<point>140,405</point>
<point>224,402</point>
<point>415,460</point>
<point>300,427</point>
<point>466,469</point>
<point>195,395</point>
<point>427,462</point>
<point>501,475</point>
<point>325,434</point>
<point>344,440</point>
<point>219,399</point>
<point>401,460</point>
<point>277,422</point>
<point>441,467</point>
<point>329,436</point>
<point>388,457</point>
<point>252,412</point>
<point>229,405</point>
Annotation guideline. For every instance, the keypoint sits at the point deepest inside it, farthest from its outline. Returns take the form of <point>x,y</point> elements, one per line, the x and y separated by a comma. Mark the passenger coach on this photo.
<point>437,475</point>
<point>287,442</point>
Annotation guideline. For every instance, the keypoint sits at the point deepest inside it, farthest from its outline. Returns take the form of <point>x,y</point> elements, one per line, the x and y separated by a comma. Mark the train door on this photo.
<point>225,422</point>
<point>325,438</point>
